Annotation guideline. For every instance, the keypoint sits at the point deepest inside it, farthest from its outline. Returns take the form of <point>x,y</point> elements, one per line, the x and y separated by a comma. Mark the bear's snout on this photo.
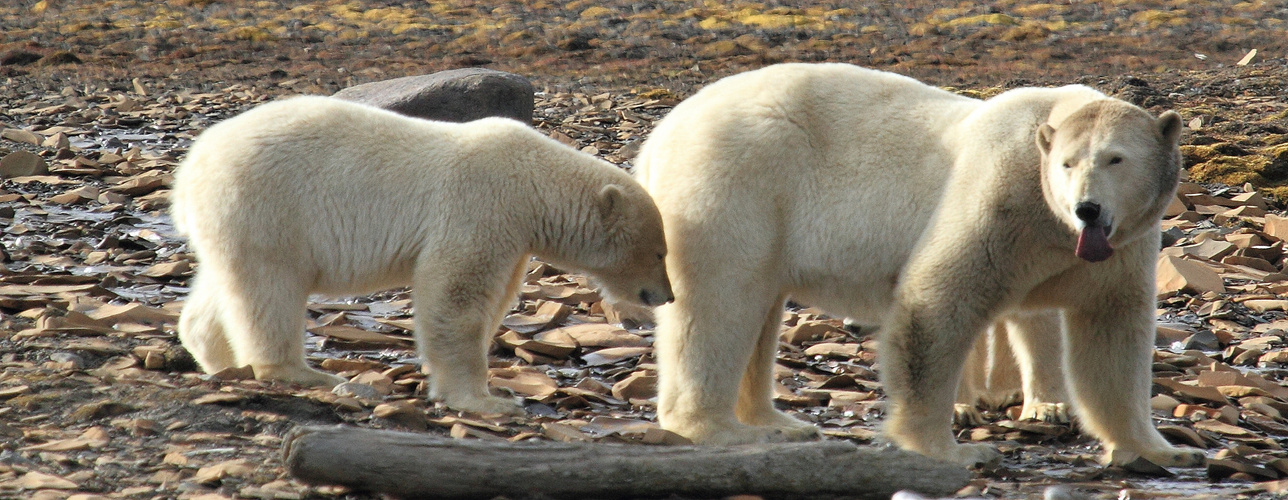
<point>1087,212</point>
<point>653,298</point>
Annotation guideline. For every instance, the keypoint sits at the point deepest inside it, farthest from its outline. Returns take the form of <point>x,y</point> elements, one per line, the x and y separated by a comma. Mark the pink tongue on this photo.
<point>1093,245</point>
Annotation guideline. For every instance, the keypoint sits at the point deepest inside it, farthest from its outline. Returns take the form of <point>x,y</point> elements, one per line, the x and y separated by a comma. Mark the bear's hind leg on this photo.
<point>1037,342</point>
<point>972,388</point>
<point>756,395</point>
<point>263,311</point>
<point>201,329</point>
<point>458,309</point>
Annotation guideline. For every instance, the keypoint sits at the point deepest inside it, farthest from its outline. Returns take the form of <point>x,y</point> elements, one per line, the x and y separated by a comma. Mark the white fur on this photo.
<point>313,194</point>
<point>882,199</point>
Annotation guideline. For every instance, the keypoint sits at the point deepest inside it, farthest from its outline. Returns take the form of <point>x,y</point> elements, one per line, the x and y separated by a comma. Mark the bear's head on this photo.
<point>627,254</point>
<point>1108,171</point>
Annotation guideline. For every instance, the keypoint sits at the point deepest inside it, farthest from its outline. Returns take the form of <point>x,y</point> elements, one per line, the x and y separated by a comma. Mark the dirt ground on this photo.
<point>97,399</point>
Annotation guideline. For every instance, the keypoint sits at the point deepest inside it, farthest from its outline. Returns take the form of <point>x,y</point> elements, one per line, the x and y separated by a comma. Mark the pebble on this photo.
<point>74,360</point>
<point>1203,341</point>
<point>1063,492</point>
<point>356,390</point>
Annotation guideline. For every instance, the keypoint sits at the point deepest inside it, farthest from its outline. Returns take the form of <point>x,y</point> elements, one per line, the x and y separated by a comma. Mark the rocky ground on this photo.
<point>97,399</point>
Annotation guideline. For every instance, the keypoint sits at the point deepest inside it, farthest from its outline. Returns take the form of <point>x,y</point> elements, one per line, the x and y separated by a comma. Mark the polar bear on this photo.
<point>1020,359</point>
<point>314,194</point>
<point>879,198</point>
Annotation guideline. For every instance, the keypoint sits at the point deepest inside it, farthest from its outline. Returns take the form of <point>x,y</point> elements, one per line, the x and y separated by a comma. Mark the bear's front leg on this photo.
<point>459,303</point>
<point>944,301</point>
<point>1111,332</point>
<point>705,348</point>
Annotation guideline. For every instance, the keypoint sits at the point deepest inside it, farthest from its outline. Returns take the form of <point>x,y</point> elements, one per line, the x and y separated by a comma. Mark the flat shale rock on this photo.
<point>22,163</point>
<point>457,95</point>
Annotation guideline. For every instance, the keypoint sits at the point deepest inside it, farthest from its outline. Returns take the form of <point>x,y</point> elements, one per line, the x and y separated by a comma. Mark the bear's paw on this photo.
<point>793,429</point>
<point>733,434</point>
<point>973,455</point>
<point>302,375</point>
<point>484,405</point>
<point>1055,413</point>
<point>967,415</point>
<point>1175,456</point>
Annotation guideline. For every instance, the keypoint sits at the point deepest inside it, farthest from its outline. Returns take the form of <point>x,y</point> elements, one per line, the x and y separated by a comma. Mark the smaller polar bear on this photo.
<point>879,198</point>
<point>314,194</point>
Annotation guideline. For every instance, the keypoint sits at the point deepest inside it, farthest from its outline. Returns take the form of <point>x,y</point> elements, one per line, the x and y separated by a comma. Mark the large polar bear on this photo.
<point>315,194</point>
<point>876,197</point>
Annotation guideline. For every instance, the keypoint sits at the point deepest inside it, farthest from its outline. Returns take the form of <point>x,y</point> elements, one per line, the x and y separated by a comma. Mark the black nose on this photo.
<point>650,299</point>
<point>1087,211</point>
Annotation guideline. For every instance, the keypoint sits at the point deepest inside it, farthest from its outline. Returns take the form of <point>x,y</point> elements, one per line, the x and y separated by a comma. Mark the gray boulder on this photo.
<point>457,95</point>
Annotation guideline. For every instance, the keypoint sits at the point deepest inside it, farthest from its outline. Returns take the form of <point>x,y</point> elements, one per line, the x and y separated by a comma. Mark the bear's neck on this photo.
<point>564,231</point>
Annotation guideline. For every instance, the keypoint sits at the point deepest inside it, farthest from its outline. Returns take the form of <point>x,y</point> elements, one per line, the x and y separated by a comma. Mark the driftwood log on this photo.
<point>408,465</point>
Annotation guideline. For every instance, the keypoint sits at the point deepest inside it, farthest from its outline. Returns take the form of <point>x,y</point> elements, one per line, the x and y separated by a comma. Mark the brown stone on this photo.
<point>457,95</point>
<point>1177,275</point>
<point>1244,240</point>
<point>1210,249</point>
<point>22,164</point>
<point>1277,226</point>
<point>638,385</point>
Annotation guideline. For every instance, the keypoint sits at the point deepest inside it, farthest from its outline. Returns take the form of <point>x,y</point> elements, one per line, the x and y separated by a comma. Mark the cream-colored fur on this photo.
<point>877,197</point>
<point>314,194</point>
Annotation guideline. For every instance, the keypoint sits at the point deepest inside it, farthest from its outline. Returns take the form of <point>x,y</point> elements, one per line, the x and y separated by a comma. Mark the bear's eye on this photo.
<point>1067,165</point>
<point>1115,160</point>
<point>661,257</point>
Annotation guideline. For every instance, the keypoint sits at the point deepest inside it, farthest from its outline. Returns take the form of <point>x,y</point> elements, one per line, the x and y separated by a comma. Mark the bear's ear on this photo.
<point>610,203</point>
<point>1169,124</point>
<point>1045,133</point>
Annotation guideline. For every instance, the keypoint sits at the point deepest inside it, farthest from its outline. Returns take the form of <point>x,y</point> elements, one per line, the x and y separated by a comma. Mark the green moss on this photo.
<point>99,409</point>
<point>29,402</point>
<point>984,93</point>
<point>659,94</point>
<point>1195,155</point>
<point>1231,170</point>
<point>1277,118</point>
<point>1276,169</point>
<point>1264,168</point>
<point>1279,193</point>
